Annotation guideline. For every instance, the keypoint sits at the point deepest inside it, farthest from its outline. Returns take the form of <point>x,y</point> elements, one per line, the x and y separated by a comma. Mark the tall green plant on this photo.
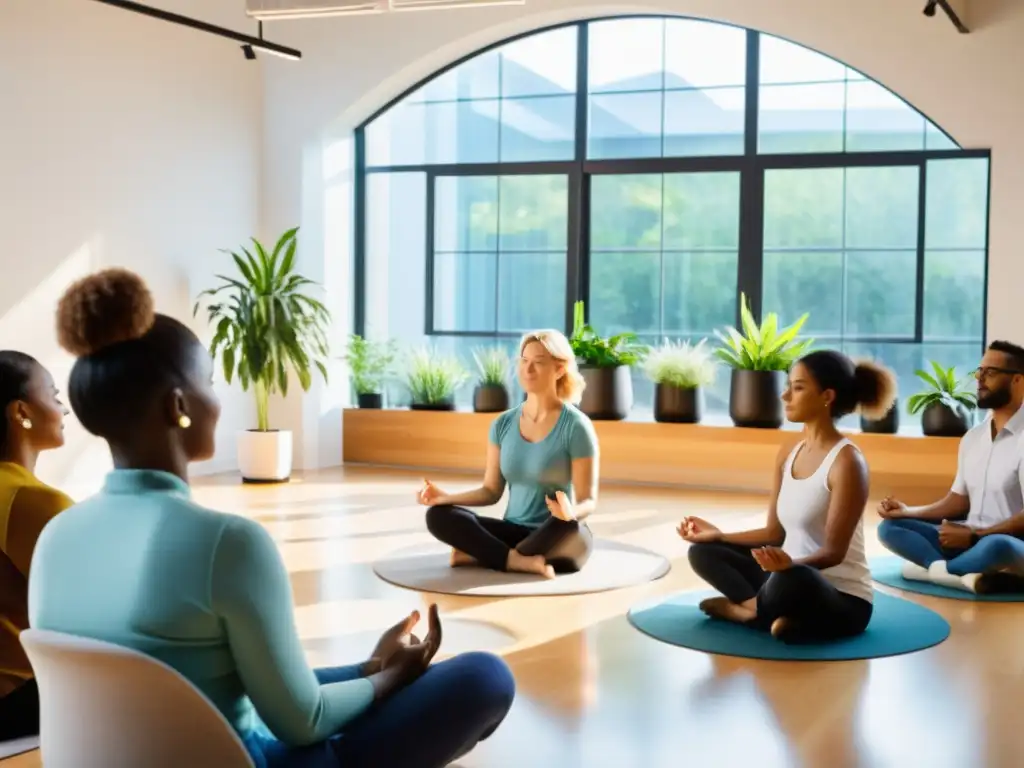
<point>266,324</point>
<point>942,387</point>
<point>764,347</point>
<point>493,365</point>
<point>592,349</point>
<point>433,378</point>
<point>368,363</point>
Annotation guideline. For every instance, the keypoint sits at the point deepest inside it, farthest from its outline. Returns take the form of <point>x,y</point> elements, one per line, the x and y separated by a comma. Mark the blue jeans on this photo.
<point>918,542</point>
<point>428,724</point>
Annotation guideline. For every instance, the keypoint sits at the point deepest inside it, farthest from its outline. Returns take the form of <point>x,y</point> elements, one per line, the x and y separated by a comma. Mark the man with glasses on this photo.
<point>973,539</point>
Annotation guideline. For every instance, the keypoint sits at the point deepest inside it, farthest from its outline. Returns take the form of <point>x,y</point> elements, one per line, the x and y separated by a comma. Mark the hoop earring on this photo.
<point>26,423</point>
<point>184,421</point>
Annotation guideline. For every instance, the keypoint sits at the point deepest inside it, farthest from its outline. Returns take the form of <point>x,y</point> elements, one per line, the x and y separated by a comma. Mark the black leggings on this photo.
<point>815,610</point>
<point>19,712</point>
<point>566,545</point>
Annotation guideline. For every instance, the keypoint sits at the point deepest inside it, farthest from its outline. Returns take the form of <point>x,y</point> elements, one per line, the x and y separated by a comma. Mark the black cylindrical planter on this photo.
<point>609,392</point>
<point>754,398</point>
<point>675,405</point>
<point>939,420</point>
<point>887,425</point>
<point>444,405</point>
<point>370,400</point>
<point>490,398</point>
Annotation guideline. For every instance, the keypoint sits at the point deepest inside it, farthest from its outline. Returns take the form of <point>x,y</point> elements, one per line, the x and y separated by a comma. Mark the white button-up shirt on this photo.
<point>990,471</point>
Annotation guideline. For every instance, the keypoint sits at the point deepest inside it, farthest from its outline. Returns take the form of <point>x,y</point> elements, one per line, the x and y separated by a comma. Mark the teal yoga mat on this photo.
<point>888,571</point>
<point>897,626</point>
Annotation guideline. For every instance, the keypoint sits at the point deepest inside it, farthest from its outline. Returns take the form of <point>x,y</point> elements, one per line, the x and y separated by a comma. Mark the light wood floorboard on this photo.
<point>592,691</point>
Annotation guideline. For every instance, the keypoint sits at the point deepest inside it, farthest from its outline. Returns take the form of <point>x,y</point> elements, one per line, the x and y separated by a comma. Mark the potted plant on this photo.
<point>760,359</point>
<point>368,363</point>
<point>491,394</point>
<point>605,367</point>
<point>945,404</point>
<point>267,326</point>
<point>433,380</point>
<point>679,372</point>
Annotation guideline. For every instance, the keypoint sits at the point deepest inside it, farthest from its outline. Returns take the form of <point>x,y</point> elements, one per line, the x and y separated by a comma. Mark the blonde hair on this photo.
<point>570,386</point>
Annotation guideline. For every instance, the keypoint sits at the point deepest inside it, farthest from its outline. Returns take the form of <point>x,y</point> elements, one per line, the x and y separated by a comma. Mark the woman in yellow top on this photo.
<point>33,421</point>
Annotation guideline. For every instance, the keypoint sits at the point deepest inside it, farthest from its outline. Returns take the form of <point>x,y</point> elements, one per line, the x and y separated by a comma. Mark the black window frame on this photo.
<point>750,164</point>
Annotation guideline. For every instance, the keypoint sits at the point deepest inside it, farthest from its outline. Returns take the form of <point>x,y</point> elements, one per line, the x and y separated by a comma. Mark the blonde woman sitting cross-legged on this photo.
<point>545,450</point>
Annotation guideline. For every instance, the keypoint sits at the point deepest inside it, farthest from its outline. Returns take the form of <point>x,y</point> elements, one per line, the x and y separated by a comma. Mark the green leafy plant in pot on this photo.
<point>491,394</point>
<point>605,365</point>
<point>267,326</point>
<point>369,363</point>
<point>946,405</point>
<point>433,379</point>
<point>760,358</point>
<point>680,371</point>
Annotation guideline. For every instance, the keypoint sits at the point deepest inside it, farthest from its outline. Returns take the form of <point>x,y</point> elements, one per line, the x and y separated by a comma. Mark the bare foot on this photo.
<point>461,559</point>
<point>724,608</point>
<point>529,564</point>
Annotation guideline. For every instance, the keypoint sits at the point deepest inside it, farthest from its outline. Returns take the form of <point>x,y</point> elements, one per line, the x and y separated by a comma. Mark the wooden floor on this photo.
<point>592,691</point>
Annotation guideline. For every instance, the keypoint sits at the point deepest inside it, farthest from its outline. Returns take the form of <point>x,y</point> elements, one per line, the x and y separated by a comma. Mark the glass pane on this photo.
<point>539,128</point>
<point>625,125</point>
<point>626,55</point>
<point>881,207</point>
<point>701,211</point>
<point>703,54</point>
<point>700,293</point>
<point>709,122</point>
<point>801,118</point>
<point>956,214</point>
<point>541,64</point>
<point>878,120</point>
<point>873,280</point>
<point>954,294</point>
<point>625,292</point>
<point>465,287</point>
<point>437,132</point>
<point>531,291</point>
<point>803,208</point>
<point>785,62</point>
<point>396,232</point>
<point>465,213</point>
<point>798,282</point>
<point>476,78</point>
<point>936,139</point>
<point>533,213</point>
<point>625,212</point>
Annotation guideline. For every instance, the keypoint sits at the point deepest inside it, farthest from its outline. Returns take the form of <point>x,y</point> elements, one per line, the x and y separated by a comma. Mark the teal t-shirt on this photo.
<point>533,471</point>
<point>141,565</point>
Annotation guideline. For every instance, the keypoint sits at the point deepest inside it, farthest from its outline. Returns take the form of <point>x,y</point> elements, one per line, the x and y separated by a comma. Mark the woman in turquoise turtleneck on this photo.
<point>142,565</point>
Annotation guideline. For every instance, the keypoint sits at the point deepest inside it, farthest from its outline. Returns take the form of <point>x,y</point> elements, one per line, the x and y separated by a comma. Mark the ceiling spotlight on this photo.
<point>250,54</point>
<point>929,9</point>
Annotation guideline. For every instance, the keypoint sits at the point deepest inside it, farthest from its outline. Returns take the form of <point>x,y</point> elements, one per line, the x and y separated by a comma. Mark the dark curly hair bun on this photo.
<point>876,388</point>
<point>104,309</point>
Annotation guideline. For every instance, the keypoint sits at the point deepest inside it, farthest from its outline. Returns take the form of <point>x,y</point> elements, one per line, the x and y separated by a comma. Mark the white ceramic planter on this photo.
<point>265,457</point>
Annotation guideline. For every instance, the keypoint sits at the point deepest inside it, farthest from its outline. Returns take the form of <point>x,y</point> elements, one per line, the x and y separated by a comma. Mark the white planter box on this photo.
<point>265,457</point>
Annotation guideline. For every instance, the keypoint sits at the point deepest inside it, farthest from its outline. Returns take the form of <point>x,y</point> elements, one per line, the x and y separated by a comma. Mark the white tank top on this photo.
<point>802,508</point>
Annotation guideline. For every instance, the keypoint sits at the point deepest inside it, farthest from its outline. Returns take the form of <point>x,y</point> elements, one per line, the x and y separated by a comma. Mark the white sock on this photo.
<point>915,572</point>
<point>970,581</point>
<point>938,574</point>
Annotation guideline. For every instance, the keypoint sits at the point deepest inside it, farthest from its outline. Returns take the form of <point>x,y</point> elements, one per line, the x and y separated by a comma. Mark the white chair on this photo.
<point>106,706</point>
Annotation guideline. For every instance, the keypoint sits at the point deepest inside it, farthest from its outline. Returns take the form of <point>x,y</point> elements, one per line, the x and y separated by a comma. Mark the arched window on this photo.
<point>657,168</point>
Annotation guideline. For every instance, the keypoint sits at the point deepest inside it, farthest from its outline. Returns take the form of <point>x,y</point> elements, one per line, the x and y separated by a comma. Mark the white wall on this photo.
<point>123,141</point>
<point>971,85</point>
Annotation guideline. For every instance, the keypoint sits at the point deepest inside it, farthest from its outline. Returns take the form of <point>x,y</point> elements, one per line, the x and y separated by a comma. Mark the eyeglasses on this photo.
<point>987,371</point>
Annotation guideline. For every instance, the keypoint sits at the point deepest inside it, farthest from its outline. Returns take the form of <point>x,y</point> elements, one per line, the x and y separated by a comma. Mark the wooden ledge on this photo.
<point>915,469</point>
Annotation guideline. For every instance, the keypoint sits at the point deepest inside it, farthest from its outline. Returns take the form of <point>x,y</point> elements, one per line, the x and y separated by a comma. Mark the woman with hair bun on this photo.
<point>142,565</point>
<point>545,449</point>
<point>804,576</point>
